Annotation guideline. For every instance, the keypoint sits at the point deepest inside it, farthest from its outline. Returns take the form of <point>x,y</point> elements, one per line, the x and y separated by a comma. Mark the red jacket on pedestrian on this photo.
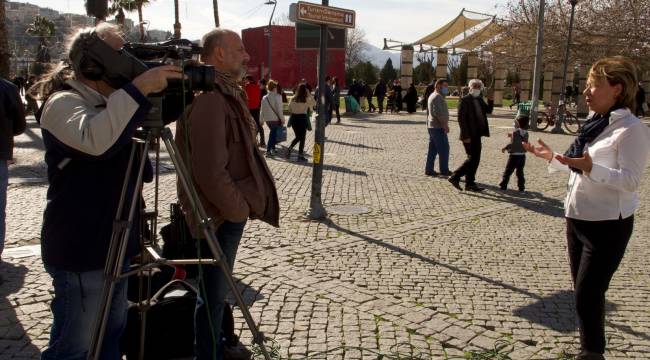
<point>254,95</point>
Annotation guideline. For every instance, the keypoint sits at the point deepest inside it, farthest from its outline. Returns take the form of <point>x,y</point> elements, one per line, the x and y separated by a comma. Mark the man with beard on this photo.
<point>230,174</point>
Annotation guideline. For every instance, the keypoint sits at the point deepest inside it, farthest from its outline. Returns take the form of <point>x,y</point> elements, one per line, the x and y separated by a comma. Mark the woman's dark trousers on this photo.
<point>515,162</point>
<point>596,248</point>
<point>470,166</point>
<point>256,115</point>
<point>299,126</point>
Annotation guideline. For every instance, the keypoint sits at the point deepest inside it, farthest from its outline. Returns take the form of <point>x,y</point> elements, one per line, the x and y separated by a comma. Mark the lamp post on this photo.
<point>562,104</point>
<point>537,73</point>
<point>269,59</point>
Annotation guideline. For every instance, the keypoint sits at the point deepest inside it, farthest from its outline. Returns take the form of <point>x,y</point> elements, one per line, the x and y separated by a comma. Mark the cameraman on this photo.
<point>229,173</point>
<point>87,127</point>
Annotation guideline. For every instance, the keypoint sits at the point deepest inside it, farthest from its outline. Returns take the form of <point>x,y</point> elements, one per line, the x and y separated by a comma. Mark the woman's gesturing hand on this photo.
<point>583,163</point>
<point>542,151</point>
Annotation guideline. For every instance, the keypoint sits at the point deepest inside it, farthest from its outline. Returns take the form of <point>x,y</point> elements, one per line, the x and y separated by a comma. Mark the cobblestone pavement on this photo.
<point>443,271</point>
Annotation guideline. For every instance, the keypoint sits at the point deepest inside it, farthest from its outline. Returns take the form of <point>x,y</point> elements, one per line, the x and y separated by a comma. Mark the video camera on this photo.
<point>99,61</point>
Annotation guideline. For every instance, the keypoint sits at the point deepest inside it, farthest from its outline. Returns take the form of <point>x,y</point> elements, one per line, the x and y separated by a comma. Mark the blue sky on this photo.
<point>404,20</point>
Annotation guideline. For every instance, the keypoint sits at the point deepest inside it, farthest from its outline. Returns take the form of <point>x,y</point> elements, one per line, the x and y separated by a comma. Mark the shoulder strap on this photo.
<point>275,112</point>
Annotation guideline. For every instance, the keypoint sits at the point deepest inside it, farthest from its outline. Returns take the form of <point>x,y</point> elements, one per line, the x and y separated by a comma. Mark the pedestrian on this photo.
<point>568,94</point>
<point>427,92</point>
<point>12,123</point>
<point>517,154</point>
<point>87,124</point>
<point>438,128</point>
<point>368,92</point>
<point>32,105</point>
<point>380,93</point>
<point>233,180</point>
<point>397,87</point>
<point>336,95</point>
<point>271,114</point>
<point>605,163</point>
<point>640,101</point>
<point>298,108</point>
<point>328,100</point>
<point>254,96</point>
<point>390,99</point>
<point>473,123</point>
<point>411,99</point>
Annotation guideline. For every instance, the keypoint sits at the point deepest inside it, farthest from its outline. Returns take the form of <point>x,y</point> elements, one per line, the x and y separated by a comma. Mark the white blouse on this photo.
<point>619,156</point>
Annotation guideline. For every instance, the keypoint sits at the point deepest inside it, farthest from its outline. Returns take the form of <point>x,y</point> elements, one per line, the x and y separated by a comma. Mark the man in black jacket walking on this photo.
<point>12,123</point>
<point>472,119</point>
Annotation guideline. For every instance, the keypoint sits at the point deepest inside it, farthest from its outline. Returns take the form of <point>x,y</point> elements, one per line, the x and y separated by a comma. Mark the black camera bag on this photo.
<point>170,324</point>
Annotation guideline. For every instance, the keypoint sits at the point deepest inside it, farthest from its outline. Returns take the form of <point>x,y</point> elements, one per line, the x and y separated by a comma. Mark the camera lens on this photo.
<point>200,77</point>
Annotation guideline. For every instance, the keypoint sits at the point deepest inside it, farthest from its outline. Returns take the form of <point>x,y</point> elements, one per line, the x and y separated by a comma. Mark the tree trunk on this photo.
<point>120,18</point>
<point>216,12</point>
<point>141,23</point>
<point>4,44</point>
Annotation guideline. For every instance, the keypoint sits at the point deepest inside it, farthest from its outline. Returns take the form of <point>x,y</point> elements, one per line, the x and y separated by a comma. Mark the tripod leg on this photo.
<point>209,232</point>
<point>117,250</point>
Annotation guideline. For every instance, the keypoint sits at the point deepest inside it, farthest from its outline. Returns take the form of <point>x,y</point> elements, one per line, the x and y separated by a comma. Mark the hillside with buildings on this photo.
<point>19,15</point>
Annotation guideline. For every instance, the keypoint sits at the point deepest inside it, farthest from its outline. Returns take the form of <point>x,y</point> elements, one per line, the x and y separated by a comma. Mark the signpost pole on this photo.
<point>316,210</point>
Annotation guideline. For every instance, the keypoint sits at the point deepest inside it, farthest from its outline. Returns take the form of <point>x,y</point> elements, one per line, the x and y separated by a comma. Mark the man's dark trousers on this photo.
<point>469,167</point>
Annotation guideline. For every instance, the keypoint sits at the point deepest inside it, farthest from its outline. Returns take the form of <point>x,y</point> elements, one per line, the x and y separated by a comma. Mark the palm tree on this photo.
<point>139,4</point>
<point>44,29</point>
<point>4,44</point>
<point>216,12</point>
<point>118,7</point>
<point>177,24</point>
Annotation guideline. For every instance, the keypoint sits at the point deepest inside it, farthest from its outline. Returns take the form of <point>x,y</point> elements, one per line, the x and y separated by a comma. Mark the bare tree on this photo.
<point>601,28</point>
<point>355,45</point>
<point>283,20</point>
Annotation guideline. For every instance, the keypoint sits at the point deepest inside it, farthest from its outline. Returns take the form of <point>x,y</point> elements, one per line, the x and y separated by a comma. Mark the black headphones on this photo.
<point>85,64</point>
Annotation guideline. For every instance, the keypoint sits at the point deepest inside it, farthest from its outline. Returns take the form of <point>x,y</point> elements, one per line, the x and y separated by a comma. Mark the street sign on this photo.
<point>308,37</point>
<point>320,14</point>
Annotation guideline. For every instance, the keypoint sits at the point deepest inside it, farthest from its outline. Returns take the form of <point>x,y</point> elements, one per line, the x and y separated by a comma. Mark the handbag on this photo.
<point>280,134</point>
<point>177,240</point>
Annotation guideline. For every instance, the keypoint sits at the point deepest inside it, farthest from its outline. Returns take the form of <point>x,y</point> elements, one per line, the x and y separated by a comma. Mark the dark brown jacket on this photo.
<point>230,174</point>
<point>12,118</point>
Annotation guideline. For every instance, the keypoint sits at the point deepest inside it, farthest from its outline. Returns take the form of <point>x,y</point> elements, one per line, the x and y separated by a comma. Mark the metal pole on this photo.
<point>177,24</point>
<point>270,57</point>
<point>561,108</point>
<point>316,209</point>
<point>537,74</point>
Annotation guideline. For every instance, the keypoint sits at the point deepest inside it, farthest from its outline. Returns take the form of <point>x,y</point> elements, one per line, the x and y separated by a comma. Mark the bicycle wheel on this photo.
<point>542,120</point>
<point>571,123</point>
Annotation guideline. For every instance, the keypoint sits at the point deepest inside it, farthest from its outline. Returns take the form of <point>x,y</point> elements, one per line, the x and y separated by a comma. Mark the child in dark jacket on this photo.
<point>517,158</point>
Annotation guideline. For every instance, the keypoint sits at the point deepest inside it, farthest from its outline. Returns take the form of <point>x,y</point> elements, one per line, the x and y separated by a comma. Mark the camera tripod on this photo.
<point>150,259</point>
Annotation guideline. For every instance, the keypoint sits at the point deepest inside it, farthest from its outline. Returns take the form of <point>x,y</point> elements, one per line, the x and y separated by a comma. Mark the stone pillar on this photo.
<point>472,66</point>
<point>524,81</point>
<point>406,70</point>
<point>583,109</point>
<point>441,64</point>
<point>548,84</point>
<point>499,80</point>
<point>556,89</point>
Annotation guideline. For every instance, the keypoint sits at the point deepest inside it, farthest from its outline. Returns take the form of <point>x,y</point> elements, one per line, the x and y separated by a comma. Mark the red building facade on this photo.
<point>289,64</point>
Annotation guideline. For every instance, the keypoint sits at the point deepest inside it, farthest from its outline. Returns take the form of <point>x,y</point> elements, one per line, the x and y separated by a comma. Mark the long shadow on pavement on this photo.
<point>15,341</point>
<point>361,146</point>
<point>533,201</point>
<point>560,303</point>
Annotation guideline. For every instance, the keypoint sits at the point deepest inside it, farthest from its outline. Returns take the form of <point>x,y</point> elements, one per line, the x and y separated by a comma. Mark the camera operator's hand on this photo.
<point>155,80</point>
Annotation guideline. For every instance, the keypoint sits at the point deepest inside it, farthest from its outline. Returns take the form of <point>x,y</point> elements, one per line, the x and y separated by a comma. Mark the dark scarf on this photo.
<point>587,133</point>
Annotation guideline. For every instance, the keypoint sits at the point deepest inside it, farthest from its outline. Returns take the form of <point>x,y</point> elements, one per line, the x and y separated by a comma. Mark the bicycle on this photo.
<point>547,118</point>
